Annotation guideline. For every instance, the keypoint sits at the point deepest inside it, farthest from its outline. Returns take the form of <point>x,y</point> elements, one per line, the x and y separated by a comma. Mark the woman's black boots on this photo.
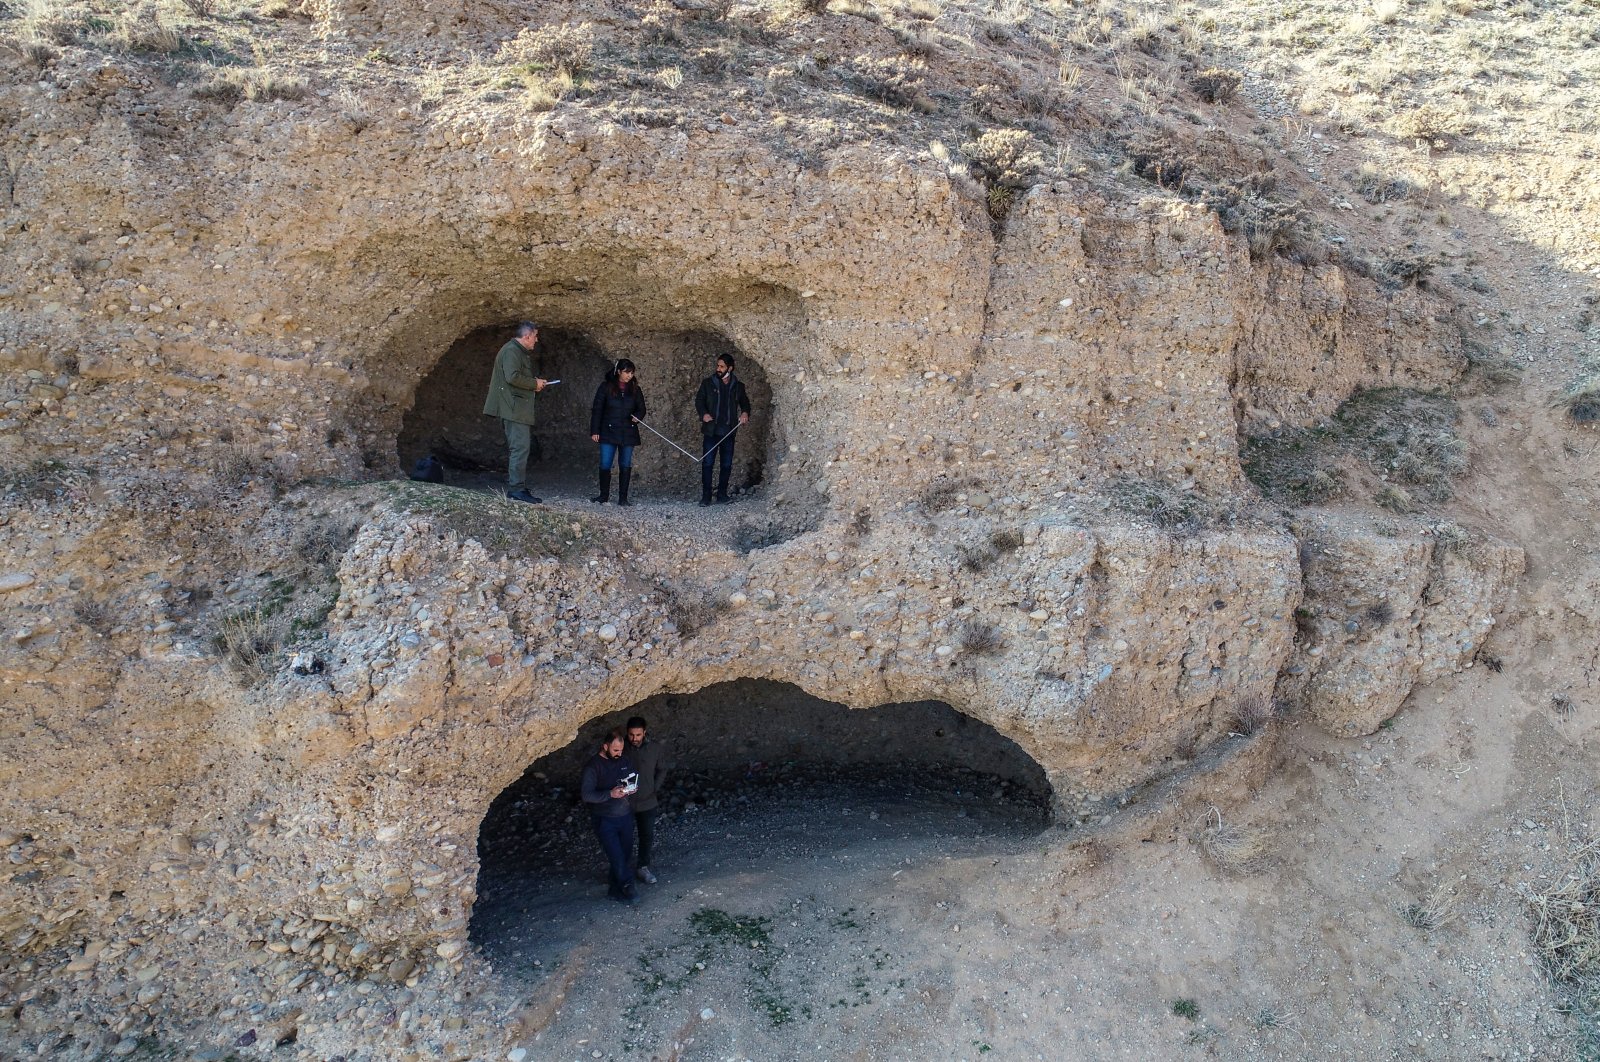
<point>622,486</point>
<point>605,487</point>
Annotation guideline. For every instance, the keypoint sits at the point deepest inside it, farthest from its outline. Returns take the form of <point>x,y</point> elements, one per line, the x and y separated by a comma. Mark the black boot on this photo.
<point>622,486</point>
<point>605,487</point>
<point>722,484</point>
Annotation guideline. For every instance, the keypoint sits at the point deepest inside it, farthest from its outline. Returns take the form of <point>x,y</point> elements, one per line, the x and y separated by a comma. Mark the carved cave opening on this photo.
<point>446,416</point>
<point>767,782</point>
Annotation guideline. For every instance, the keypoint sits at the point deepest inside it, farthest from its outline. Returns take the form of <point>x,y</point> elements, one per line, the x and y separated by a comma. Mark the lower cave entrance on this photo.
<point>776,801</point>
<point>446,416</point>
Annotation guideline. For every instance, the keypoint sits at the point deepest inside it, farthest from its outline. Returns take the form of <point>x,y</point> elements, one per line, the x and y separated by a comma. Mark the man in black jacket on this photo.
<point>649,759</point>
<point>609,783</point>
<point>723,406</point>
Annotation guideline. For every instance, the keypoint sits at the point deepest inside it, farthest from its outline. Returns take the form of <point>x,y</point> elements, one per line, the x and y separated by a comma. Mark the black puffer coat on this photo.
<point>611,416</point>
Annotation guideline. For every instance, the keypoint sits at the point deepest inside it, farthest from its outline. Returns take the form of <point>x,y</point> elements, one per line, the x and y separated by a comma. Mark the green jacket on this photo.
<point>511,389</point>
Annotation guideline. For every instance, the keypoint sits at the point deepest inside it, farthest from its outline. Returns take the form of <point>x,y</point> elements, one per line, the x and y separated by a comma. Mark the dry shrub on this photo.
<point>39,54</point>
<point>1434,911</point>
<point>977,558</point>
<point>1170,508</point>
<point>941,495</point>
<point>1582,400</point>
<point>861,523</point>
<point>1236,849</point>
<point>93,613</point>
<point>981,639</point>
<point>1008,158</point>
<point>1087,856</point>
<point>1436,125</point>
<point>63,24</point>
<point>1376,187</point>
<point>691,609</point>
<point>1216,85</point>
<point>200,8</point>
<point>1566,924</point>
<point>1006,540</point>
<point>560,49</point>
<point>896,81</point>
<point>45,480</point>
<point>1253,714</point>
<point>247,641</point>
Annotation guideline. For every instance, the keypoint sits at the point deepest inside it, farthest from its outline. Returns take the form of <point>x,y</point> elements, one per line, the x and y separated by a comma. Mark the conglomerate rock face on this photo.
<point>1040,426</point>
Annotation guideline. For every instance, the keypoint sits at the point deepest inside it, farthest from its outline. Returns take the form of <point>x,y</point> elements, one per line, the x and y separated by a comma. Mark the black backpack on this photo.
<point>428,470</point>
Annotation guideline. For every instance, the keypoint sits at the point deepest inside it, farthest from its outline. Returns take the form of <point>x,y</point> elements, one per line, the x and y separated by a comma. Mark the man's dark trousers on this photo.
<point>646,822</point>
<point>616,837</point>
<point>714,450</point>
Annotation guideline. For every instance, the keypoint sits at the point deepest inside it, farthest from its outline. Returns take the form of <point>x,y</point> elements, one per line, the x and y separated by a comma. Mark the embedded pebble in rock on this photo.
<point>608,633</point>
<point>517,1054</point>
<point>15,581</point>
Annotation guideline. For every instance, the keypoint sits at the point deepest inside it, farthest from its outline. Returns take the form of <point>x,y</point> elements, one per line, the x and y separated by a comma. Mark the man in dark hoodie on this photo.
<point>649,759</point>
<point>609,782</point>
<point>723,406</point>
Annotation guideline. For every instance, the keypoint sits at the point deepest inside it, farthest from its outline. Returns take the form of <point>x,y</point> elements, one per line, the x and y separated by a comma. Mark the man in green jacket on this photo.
<point>649,759</point>
<point>510,398</point>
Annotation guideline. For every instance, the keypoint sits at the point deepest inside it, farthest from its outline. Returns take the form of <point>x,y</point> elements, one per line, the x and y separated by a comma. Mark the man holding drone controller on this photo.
<point>609,782</point>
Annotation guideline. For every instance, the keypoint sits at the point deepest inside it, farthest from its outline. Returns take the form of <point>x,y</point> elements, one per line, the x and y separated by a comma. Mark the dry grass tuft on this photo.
<point>1434,911</point>
<point>93,613</point>
<point>1566,925</point>
<point>981,639</point>
<point>247,641</point>
<point>1254,714</point>
<point>1236,849</point>
<point>256,86</point>
<point>142,29</point>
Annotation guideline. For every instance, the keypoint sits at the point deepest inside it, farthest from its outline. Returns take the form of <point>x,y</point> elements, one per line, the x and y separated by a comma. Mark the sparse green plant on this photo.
<point>1186,1008</point>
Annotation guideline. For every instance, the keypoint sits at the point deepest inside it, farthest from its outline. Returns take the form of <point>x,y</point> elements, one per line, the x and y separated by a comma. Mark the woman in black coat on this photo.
<point>617,404</point>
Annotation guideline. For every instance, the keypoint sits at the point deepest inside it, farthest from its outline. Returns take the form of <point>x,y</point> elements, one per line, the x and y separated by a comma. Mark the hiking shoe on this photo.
<point>522,495</point>
<point>705,499</point>
<point>644,875</point>
<point>630,895</point>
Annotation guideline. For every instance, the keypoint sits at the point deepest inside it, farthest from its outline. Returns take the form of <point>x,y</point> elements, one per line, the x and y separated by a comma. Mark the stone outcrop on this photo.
<point>1385,613</point>
<point>194,325</point>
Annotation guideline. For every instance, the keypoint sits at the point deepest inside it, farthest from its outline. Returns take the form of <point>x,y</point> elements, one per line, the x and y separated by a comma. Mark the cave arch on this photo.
<point>750,732</point>
<point>445,417</point>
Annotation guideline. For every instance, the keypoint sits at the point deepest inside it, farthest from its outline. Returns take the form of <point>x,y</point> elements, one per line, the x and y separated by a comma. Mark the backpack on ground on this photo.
<point>428,470</point>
